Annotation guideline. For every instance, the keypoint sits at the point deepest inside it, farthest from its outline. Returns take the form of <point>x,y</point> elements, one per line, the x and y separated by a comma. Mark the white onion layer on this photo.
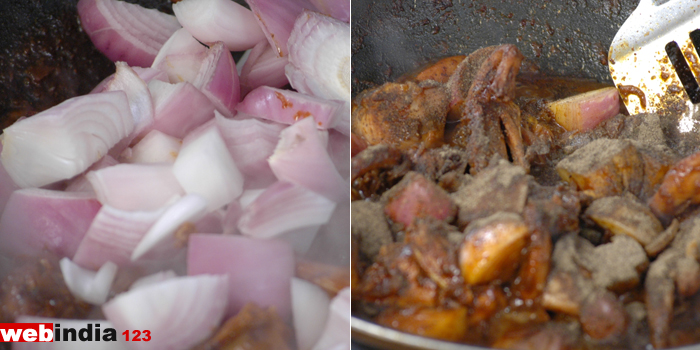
<point>88,285</point>
<point>310,310</point>
<point>64,140</point>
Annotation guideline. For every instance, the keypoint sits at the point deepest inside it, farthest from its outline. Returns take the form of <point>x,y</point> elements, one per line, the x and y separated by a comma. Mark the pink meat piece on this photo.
<point>414,197</point>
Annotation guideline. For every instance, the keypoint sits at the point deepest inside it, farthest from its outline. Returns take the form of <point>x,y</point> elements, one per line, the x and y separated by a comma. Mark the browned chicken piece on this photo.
<point>466,71</point>
<point>416,197</point>
<point>663,240</point>
<point>658,160</point>
<point>552,209</point>
<point>440,71</point>
<point>492,248</point>
<point>437,162</point>
<point>404,116</point>
<point>396,279</point>
<point>433,252</point>
<point>37,289</point>
<point>441,323</point>
<point>678,190</point>
<point>488,109</point>
<point>375,170</point>
<point>603,168</point>
<point>330,278</point>
<point>357,145</point>
<point>370,230</point>
<point>532,276</point>
<point>580,269</point>
<point>501,187</point>
<point>622,215</point>
<point>252,328</point>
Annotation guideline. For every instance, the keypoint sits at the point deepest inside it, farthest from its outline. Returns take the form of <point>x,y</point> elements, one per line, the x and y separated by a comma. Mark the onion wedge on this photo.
<point>258,270</point>
<point>219,20</point>
<point>301,158</point>
<point>287,107</point>
<point>262,67</point>
<point>310,310</point>
<point>218,79</point>
<point>87,285</point>
<point>124,31</point>
<point>205,167</point>
<point>276,18</point>
<point>179,108</point>
<point>64,140</point>
<point>178,312</point>
<point>319,57</point>
<point>585,111</point>
<point>155,147</point>
<point>284,207</point>
<point>336,336</point>
<point>140,102</point>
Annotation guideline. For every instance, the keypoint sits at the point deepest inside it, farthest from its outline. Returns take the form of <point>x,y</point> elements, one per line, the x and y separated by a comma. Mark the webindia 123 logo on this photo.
<point>50,332</point>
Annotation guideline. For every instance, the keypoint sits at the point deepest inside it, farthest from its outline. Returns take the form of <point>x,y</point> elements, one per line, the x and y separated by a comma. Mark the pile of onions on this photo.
<point>201,172</point>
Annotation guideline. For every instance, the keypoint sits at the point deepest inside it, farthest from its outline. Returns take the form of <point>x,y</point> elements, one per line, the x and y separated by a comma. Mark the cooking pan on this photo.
<point>394,37</point>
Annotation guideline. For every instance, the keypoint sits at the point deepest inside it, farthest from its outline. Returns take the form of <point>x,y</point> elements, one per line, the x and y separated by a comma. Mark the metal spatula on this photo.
<point>654,58</point>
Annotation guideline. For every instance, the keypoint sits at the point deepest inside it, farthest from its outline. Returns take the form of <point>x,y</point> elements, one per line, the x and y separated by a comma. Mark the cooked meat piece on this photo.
<point>461,81</point>
<point>440,71</point>
<point>532,277</point>
<point>441,323</point>
<point>659,297</point>
<point>616,266</point>
<point>492,247</point>
<point>552,209</point>
<point>330,278</point>
<point>370,229</point>
<point>415,197</point>
<point>357,144</point>
<point>501,187</point>
<point>553,336</point>
<point>678,190</point>
<point>396,279</point>
<point>433,252</point>
<point>603,317</point>
<point>661,241</point>
<point>37,289</point>
<point>487,109</point>
<point>657,160</point>
<point>564,293</point>
<point>375,170</point>
<point>621,215</point>
<point>436,162</point>
<point>603,168</point>
<point>403,116</point>
<point>252,328</point>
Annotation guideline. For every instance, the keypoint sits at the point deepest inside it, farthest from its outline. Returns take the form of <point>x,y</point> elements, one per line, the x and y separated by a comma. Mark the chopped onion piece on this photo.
<point>218,79</point>
<point>66,344</point>
<point>319,57</point>
<point>179,108</point>
<point>205,167</point>
<point>124,31</point>
<point>284,207</point>
<point>338,9</point>
<point>310,309</point>
<point>262,67</point>
<point>583,112</point>
<point>136,187</point>
<point>88,285</point>
<point>64,140</point>
<point>146,74</point>
<point>287,107</point>
<point>336,336</point>
<point>258,271</point>
<point>37,219</point>
<point>189,208</point>
<point>276,18</point>
<point>81,183</point>
<point>219,20</point>
<point>153,279</point>
<point>113,235</point>
<point>211,223</point>
<point>155,147</point>
<point>140,102</point>
<point>230,221</point>
<point>301,158</point>
<point>339,151</point>
<point>301,238</point>
<point>251,141</point>
<point>249,196</point>
<point>181,42</point>
<point>179,312</point>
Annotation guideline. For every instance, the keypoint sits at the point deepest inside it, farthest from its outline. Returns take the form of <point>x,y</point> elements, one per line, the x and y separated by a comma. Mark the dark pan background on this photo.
<point>571,38</point>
